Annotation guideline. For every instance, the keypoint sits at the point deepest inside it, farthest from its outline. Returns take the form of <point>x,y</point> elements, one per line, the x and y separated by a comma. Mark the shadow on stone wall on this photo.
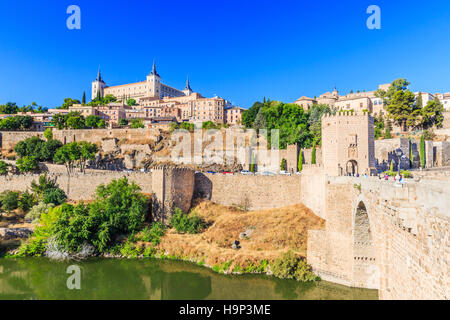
<point>203,187</point>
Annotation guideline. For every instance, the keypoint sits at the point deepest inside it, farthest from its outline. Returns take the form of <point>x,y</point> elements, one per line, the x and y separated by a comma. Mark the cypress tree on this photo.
<point>300,161</point>
<point>313,154</point>
<point>83,100</point>
<point>283,165</point>
<point>422,151</point>
<point>252,163</point>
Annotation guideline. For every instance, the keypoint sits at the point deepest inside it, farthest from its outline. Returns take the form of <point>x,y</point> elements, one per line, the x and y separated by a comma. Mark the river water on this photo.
<point>152,279</point>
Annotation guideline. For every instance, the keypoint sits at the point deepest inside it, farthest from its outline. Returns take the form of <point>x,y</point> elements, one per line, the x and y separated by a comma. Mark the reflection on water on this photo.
<point>40,278</point>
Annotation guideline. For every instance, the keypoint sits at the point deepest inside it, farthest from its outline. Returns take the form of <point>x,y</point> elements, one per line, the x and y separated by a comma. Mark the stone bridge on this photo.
<point>382,236</point>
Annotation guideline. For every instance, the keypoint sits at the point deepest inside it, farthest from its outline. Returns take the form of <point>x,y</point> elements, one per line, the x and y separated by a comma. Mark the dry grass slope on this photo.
<point>274,231</point>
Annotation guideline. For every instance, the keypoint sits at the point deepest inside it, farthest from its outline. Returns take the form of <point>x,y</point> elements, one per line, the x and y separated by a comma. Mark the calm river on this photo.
<point>40,278</point>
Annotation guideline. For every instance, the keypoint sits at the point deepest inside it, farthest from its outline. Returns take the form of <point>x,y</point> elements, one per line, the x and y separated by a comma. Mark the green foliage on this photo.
<point>36,211</point>
<point>405,173</point>
<point>422,151</point>
<point>313,154</point>
<point>83,100</point>
<point>387,134</point>
<point>123,122</point>
<point>26,201</point>
<point>9,108</point>
<point>37,244</point>
<point>391,166</point>
<point>75,154</point>
<point>9,200</point>
<point>153,234</point>
<point>283,165</point>
<point>27,164</point>
<point>3,168</point>
<point>16,123</point>
<point>93,121</point>
<point>68,102</point>
<point>119,208</point>
<point>48,134</point>
<point>207,125</point>
<point>47,191</point>
<point>102,101</point>
<point>379,126</point>
<point>131,102</point>
<point>184,223</point>
<point>428,134</point>
<point>300,161</point>
<point>136,123</point>
<point>184,126</point>
<point>291,266</point>
<point>294,124</point>
<point>75,121</point>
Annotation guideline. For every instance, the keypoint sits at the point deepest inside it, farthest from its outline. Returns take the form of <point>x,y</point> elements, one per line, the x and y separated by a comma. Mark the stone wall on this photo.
<point>172,188</point>
<point>313,189</point>
<point>77,186</point>
<point>253,192</point>
<point>399,244</point>
<point>9,139</point>
<point>98,135</point>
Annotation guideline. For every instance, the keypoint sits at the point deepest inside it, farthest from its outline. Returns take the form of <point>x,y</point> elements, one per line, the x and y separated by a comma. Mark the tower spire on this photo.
<point>188,86</point>
<point>99,75</point>
<point>154,72</point>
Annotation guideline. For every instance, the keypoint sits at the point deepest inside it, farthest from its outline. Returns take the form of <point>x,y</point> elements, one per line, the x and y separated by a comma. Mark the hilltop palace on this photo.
<point>159,102</point>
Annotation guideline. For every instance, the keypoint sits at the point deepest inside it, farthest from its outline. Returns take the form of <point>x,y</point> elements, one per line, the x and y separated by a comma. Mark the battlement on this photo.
<point>347,113</point>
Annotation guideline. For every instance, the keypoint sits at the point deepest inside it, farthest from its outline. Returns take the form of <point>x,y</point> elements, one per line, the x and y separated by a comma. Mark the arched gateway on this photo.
<point>365,268</point>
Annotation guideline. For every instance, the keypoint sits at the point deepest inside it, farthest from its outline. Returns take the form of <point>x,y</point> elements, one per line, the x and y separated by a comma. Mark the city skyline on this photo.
<point>247,52</point>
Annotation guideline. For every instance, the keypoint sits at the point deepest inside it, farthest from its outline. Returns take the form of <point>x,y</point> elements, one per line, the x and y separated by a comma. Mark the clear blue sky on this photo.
<point>241,50</point>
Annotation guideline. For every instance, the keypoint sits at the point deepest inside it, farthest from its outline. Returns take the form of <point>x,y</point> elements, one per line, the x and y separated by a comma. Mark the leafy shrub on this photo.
<point>184,223</point>
<point>9,200</point>
<point>3,168</point>
<point>153,234</point>
<point>27,164</point>
<point>291,266</point>
<point>35,213</point>
<point>27,201</point>
<point>47,191</point>
<point>37,244</point>
<point>55,196</point>
<point>429,134</point>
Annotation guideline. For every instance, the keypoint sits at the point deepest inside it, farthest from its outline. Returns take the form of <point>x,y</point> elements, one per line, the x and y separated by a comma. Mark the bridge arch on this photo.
<point>366,273</point>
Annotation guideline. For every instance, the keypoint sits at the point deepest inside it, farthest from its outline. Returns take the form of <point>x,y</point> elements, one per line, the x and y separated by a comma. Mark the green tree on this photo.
<point>48,150</point>
<point>422,152</point>
<point>68,155</point>
<point>27,164</point>
<point>249,116</point>
<point>300,161</point>
<point>136,123</point>
<point>48,134</point>
<point>83,100</point>
<point>313,154</point>
<point>60,121</point>
<point>432,114</point>
<point>92,121</point>
<point>131,102</point>
<point>123,122</point>
<point>87,152</point>
<point>68,102</point>
<point>26,201</point>
<point>3,168</point>
<point>283,165</point>
<point>9,200</point>
<point>75,121</point>
<point>9,108</point>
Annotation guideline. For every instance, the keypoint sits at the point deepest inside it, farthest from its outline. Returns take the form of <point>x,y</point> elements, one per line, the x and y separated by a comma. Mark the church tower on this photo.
<point>98,86</point>
<point>154,83</point>
<point>187,90</point>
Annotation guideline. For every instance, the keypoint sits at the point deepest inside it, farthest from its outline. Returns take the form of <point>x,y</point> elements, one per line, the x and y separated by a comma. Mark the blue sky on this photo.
<point>240,50</point>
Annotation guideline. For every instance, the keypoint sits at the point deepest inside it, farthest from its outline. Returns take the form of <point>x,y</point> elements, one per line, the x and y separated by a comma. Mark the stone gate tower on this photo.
<point>348,146</point>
